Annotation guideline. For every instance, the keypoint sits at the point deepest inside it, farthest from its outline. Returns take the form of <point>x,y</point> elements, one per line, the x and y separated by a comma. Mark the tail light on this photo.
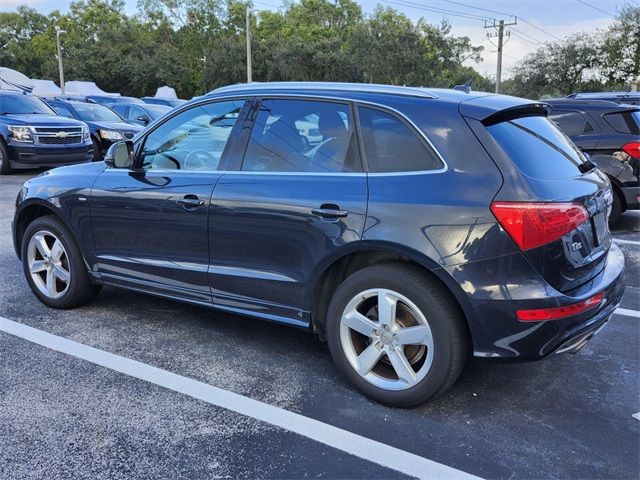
<point>533,224</point>
<point>556,313</point>
<point>632,149</point>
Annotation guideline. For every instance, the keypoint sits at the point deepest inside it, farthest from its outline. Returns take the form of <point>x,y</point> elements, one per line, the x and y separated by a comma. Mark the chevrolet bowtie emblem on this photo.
<point>61,134</point>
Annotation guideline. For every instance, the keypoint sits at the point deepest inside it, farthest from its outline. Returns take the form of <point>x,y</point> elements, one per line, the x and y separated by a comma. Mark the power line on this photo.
<point>596,8</point>
<point>520,34</point>
<point>442,11</point>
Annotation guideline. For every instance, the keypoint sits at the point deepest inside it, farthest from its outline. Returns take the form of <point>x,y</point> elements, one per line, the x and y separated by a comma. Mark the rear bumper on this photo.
<point>33,156</point>
<point>510,284</point>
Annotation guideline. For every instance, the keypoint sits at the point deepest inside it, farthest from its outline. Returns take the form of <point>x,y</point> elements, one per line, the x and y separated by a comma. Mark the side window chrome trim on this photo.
<point>355,102</point>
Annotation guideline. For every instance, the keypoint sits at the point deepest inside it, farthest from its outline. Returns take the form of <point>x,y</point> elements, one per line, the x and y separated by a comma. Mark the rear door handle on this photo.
<point>329,211</point>
<point>190,202</point>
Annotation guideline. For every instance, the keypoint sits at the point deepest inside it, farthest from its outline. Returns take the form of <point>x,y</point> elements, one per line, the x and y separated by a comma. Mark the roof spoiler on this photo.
<point>518,111</point>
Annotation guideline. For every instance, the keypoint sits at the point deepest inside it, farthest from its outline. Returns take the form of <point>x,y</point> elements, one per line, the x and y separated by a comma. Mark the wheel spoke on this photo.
<point>57,250</point>
<point>418,335</point>
<point>41,245</point>
<point>61,273</point>
<point>358,322</point>
<point>387,303</point>
<point>51,283</point>
<point>37,266</point>
<point>401,366</point>
<point>368,359</point>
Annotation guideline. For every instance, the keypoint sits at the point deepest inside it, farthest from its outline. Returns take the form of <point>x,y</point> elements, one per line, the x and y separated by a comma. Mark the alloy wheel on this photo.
<point>386,339</point>
<point>48,264</point>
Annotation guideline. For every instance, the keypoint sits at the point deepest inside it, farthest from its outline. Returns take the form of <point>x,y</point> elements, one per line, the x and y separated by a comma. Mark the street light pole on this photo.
<point>248,28</point>
<point>60,68</point>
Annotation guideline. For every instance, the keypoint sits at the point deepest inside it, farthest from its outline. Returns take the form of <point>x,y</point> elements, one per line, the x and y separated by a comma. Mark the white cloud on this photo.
<point>517,48</point>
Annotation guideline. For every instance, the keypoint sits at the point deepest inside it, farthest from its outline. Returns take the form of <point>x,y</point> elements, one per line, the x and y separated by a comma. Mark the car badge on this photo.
<point>61,134</point>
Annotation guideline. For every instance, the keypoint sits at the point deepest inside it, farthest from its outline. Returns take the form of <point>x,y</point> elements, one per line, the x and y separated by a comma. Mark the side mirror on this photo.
<point>144,119</point>
<point>120,155</point>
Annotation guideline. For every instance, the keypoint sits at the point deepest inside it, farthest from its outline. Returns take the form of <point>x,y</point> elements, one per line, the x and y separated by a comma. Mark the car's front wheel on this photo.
<point>397,334</point>
<point>53,265</point>
<point>5,166</point>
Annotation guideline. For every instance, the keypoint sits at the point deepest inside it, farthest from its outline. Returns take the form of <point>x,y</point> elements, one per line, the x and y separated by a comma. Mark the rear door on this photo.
<point>150,224</point>
<point>295,202</point>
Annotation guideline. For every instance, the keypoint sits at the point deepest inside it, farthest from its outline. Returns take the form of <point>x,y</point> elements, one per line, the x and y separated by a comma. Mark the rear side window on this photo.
<point>391,146</point>
<point>572,123</point>
<point>624,122</point>
<point>538,148</point>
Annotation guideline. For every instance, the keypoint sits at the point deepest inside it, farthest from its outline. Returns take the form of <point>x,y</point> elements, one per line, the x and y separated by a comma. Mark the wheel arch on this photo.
<point>332,275</point>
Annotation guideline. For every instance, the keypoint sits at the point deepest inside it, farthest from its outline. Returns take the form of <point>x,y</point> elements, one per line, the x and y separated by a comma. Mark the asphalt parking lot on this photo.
<point>65,417</point>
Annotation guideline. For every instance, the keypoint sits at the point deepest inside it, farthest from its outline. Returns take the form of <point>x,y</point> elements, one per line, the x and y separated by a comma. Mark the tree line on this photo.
<point>197,45</point>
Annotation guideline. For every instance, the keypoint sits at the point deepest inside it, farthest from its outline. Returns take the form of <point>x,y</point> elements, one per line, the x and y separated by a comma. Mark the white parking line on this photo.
<point>627,312</point>
<point>351,443</point>
<point>626,242</point>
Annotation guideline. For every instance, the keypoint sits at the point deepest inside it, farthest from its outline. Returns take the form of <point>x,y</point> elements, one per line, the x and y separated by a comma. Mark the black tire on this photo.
<point>617,208</point>
<point>5,166</point>
<point>434,302</point>
<point>97,155</point>
<point>80,288</point>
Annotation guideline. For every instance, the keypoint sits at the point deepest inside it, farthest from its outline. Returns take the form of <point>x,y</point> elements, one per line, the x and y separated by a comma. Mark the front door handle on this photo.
<point>190,202</point>
<point>329,211</point>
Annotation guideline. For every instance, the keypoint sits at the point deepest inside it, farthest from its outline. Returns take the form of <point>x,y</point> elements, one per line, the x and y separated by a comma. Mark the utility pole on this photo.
<point>500,33</point>
<point>248,28</point>
<point>60,69</point>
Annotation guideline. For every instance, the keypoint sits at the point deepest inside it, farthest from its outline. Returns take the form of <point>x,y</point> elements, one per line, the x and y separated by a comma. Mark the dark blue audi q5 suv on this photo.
<point>409,228</point>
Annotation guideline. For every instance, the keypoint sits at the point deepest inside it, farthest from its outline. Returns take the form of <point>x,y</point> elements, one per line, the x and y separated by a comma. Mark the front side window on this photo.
<point>62,110</point>
<point>136,113</point>
<point>390,145</point>
<point>193,140</point>
<point>571,123</point>
<point>302,136</point>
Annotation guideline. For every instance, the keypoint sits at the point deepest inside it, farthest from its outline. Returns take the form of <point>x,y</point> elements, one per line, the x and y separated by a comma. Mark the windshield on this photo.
<point>156,111</point>
<point>538,148</point>
<point>23,104</point>
<point>93,112</point>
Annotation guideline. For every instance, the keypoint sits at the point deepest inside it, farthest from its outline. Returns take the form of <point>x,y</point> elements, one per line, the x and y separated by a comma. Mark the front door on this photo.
<point>150,224</point>
<point>296,202</point>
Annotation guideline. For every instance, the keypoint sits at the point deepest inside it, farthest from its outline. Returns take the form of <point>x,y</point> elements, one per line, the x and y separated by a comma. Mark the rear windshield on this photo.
<point>538,148</point>
<point>624,122</point>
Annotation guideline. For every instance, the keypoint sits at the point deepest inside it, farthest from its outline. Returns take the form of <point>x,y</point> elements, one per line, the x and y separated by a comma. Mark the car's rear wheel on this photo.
<point>5,166</point>
<point>53,265</point>
<point>617,208</point>
<point>397,334</point>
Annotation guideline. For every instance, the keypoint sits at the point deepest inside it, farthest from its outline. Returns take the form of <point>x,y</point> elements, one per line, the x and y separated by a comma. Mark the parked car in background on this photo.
<point>630,98</point>
<point>610,134</point>
<point>169,102</point>
<point>32,135</point>
<point>424,227</point>
<point>105,125</point>
<point>109,99</point>
<point>142,114</point>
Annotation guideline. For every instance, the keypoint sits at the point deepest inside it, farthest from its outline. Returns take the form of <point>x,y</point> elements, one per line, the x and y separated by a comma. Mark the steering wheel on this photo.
<point>200,160</point>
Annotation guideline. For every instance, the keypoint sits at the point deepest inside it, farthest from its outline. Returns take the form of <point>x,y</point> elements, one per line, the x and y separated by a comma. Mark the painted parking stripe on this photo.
<point>351,443</point>
<point>626,242</point>
<point>627,312</point>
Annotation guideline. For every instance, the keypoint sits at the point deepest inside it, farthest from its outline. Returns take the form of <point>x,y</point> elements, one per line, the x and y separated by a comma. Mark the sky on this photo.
<point>553,18</point>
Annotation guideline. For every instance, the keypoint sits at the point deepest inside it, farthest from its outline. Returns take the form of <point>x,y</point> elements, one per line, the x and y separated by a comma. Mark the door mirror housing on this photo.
<point>120,155</point>
<point>144,119</point>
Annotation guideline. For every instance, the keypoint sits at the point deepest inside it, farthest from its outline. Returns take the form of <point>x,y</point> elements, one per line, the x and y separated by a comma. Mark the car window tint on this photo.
<point>538,148</point>
<point>135,112</point>
<point>302,136</point>
<point>64,111</point>
<point>193,140</point>
<point>624,122</point>
<point>572,123</point>
<point>391,146</point>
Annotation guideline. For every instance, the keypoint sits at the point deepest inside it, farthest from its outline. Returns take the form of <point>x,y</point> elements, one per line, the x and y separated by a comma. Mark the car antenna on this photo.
<point>466,87</point>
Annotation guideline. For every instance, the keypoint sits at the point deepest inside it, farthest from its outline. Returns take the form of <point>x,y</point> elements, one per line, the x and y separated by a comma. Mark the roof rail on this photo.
<point>326,86</point>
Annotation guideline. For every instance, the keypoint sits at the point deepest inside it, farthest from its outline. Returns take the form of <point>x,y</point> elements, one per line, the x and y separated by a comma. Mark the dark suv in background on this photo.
<point>630,98</point>
<point>610,134</point>
<point>410,228</point>
<point>105,125</point>
<point>32,135</point>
